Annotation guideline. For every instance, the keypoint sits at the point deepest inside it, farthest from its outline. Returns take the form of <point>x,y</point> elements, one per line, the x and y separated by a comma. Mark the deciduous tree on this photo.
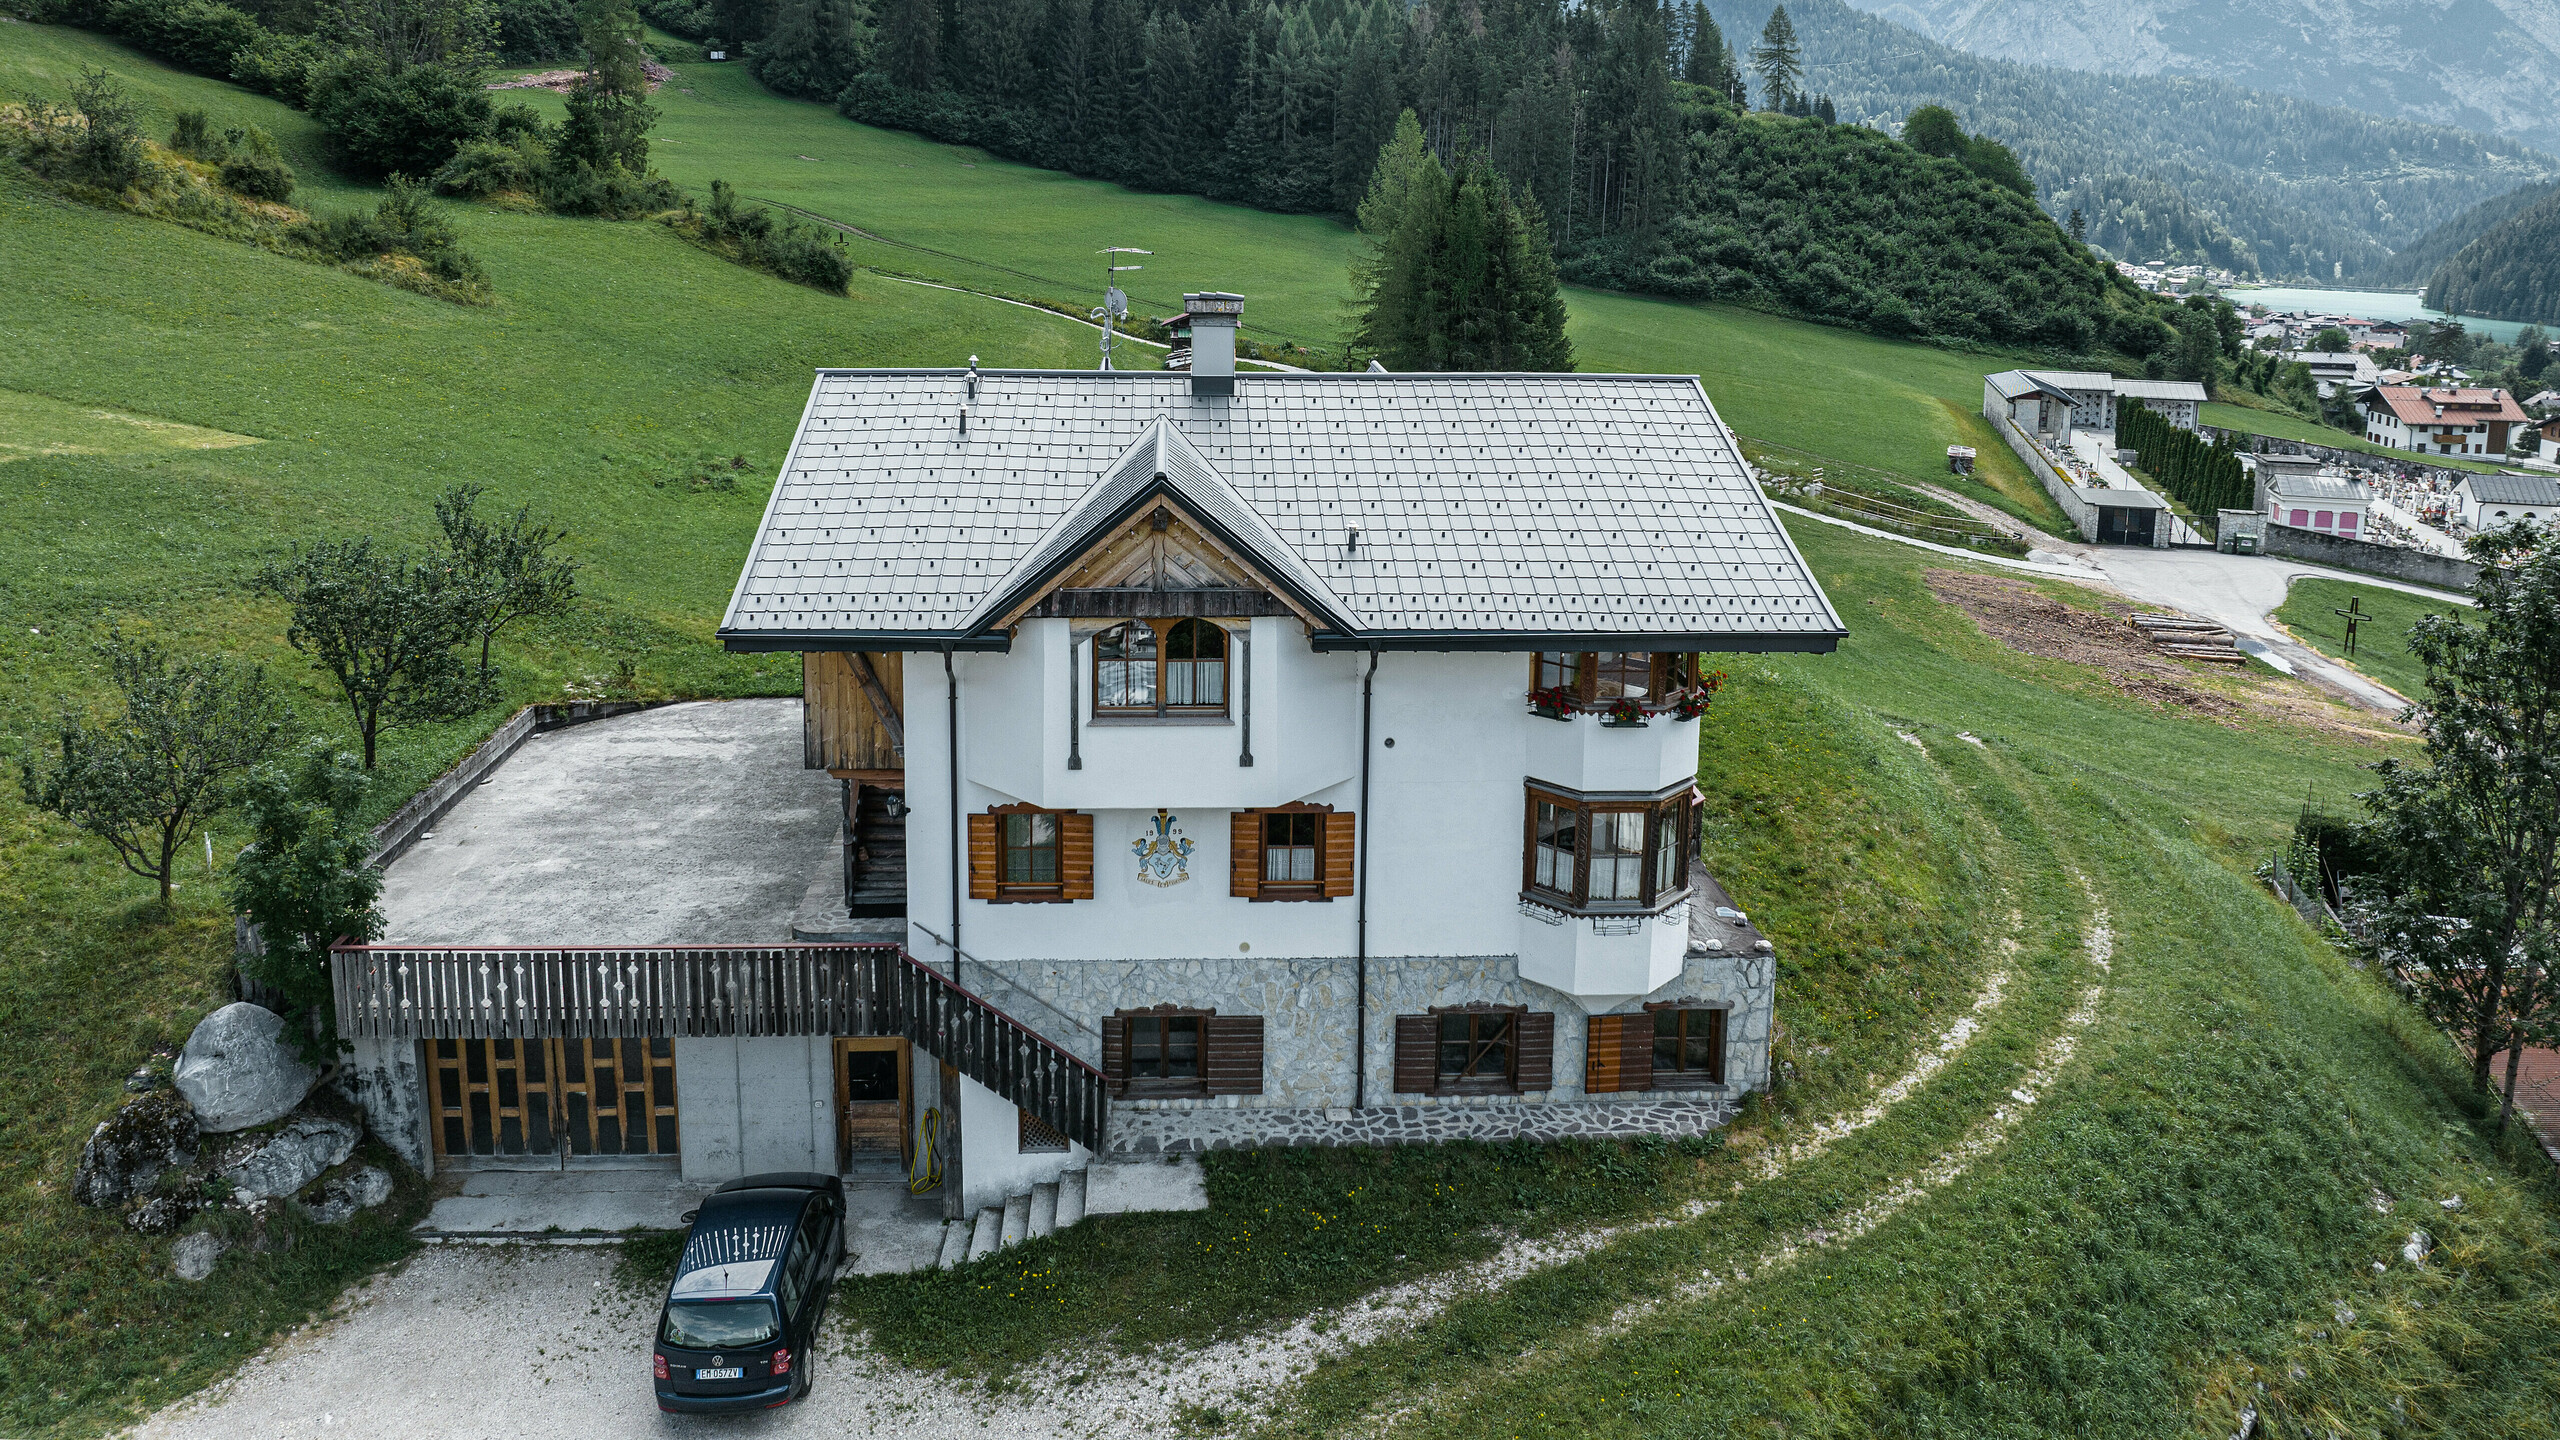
<point>2463,911</point>
<point>147,778</point>
<point>512,563</point>
<point>387,628</point>
<point>303,883</point>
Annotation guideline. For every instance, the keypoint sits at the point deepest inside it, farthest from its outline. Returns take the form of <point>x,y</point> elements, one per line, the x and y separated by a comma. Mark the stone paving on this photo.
<point>1156,1132</point>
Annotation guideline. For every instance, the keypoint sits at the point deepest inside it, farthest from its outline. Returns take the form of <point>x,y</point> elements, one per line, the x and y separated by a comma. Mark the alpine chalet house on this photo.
<point>2439,419</point>
<point>1314,755</point>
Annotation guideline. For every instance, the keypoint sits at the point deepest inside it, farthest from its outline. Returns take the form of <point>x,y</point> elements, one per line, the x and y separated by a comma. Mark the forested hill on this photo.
<point>2510,273</point>
<point>2166,167</point>
<point>2419,259</point>
<point>1646,182</point>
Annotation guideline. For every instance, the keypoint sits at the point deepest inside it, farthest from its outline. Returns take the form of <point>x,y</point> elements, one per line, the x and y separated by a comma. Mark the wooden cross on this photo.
<point>2354,616</point>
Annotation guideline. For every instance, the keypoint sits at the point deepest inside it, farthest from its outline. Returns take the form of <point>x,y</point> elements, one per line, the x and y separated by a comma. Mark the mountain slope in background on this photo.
<point>2478,64</point>
<point>2510,273</point>
<point>2170,167</point>
<point>2418,260</point>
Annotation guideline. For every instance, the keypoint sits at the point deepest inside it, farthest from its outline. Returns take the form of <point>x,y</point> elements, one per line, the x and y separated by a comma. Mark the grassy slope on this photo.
<point>2382,649</point>
<point>616,357</point>
<point>1034,234</point>
<point>2294,427</point>
<point>625,358</point>
<point>2170,1225</point>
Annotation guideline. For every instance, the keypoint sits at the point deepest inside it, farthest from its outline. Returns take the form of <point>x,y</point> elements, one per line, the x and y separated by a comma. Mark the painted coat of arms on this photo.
<point>1164,854</point>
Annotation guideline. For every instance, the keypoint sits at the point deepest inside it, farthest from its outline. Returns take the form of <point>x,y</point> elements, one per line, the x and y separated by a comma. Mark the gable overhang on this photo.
<point>1008,605</point>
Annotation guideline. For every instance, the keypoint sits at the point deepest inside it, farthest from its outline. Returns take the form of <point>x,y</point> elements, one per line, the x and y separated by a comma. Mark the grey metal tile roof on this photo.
<point>1500,508</point>
<point>2513,489</point>
<point>2160,390</point>
<point>2313,487</point>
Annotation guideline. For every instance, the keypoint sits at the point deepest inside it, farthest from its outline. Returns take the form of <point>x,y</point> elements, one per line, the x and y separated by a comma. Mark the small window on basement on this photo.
<point>1479,1050</point>
<point>1688,1044</point>
<point>1164,1051</point>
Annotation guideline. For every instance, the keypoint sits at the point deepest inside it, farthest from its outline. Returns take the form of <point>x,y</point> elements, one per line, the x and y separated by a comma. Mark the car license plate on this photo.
<point>732,1373</point>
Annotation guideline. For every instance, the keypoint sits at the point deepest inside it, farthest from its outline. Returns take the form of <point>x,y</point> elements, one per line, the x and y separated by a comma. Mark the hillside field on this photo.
<point>2175,1219</point>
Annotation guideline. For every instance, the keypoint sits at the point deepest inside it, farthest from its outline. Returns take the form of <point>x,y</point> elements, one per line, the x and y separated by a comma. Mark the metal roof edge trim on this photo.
<point>1805,567</point>
<point>765,642</point>
<point>931,372</point>
<point>764,522</point>
<point>1814,642</point>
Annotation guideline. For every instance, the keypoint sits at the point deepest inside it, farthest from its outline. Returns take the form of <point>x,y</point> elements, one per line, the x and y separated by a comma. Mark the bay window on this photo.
<point>1609,853</point>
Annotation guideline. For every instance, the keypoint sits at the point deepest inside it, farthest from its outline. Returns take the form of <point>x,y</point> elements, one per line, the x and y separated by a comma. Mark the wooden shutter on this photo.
<point>1075,855</point>
<point>1602,1055</point>
<point>1537,1053</point>
<point>1244,854</point>
<point>986,864</point>
<point>1341,833</point>
<point>1115,1054</point>
<point>1635,1053</point>
<point>1235,1054</point>
<point>1417,1060</point>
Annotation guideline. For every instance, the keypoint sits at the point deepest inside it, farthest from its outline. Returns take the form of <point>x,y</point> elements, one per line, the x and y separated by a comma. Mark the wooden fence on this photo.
<point>395,992</point>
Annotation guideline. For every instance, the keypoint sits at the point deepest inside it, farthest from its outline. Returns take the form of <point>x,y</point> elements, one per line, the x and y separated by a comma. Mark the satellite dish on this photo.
<point>1116,302</point>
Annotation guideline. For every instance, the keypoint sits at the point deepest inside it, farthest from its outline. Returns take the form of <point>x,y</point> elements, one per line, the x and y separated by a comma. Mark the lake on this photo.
<point>2371,304</point>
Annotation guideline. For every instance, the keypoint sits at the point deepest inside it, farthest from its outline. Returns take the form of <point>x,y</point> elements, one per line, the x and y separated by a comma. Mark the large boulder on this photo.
<point>265,1167</point>
<point>130,1148</point>
<point>238,1069</point>
<point>338,1200</point>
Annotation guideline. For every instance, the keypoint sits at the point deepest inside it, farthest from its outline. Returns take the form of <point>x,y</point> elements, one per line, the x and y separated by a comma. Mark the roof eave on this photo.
<point>765,642</point>
<point>1813,642</point>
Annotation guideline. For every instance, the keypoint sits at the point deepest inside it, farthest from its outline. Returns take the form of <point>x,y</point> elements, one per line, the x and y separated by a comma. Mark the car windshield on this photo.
<point>719,1324</point>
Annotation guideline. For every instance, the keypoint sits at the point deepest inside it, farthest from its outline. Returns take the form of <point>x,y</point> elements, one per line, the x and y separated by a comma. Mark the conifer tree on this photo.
<point>911,43</point>
<point>815,50</point>
<point>1464,281</point>
<point>1779,59</point>
<point>1704,63</point>
<point>1364,116</point>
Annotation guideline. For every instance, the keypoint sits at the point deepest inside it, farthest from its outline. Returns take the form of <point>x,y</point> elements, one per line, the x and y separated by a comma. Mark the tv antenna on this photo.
<point>1115,303</point>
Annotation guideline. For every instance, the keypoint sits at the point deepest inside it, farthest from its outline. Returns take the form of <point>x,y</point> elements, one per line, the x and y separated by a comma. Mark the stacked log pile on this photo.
<point>2190,639</point>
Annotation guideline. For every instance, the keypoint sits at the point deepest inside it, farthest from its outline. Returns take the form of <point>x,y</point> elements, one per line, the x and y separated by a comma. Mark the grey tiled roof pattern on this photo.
<point>1486,505</point>
<point>2514,489</point>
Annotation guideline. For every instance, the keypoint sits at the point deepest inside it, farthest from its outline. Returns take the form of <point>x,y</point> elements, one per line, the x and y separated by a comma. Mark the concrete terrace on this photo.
<point>685,825</point>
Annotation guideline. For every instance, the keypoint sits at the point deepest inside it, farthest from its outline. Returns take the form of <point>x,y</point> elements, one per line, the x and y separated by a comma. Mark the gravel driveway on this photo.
<point>506,1342</point>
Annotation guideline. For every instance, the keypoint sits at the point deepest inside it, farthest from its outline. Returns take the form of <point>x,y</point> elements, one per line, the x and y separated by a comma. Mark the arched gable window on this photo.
<point>1160,668</point>
<point>1195,666</point>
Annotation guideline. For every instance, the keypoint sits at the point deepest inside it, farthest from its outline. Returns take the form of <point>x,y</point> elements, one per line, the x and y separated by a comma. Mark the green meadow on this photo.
<point>2310,611</point>
<point>2175,1220</point>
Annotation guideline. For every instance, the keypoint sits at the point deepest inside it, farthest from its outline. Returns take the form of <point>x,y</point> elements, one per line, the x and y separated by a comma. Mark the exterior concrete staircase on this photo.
<point>1044,1209</point>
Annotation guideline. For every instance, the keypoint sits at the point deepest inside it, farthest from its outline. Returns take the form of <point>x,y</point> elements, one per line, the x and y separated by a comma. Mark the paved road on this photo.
<point>2237,592</point>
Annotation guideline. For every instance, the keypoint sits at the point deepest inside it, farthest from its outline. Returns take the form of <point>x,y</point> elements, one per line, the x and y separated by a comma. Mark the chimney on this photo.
<point>1214,317</point>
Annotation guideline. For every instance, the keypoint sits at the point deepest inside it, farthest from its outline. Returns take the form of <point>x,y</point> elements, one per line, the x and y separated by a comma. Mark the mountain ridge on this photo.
<point>2172,167</point>
<point>2427,60</point>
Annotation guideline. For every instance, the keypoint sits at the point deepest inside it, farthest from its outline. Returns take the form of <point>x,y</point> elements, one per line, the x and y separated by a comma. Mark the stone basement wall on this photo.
<point>2418,567</point>
<point>2080,512</point>
<point>1306,1007</point>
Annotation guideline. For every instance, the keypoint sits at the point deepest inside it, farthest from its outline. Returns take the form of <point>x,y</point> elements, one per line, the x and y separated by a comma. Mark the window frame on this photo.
<point>1029,892</point>
<point>1679,1077</point>
<point>1311,888</point>
<point>1670,675</point>
<point>1157,1086</point>
<point>1671,817</point>
<point>1508,1082</point>
<point>1161,708</point>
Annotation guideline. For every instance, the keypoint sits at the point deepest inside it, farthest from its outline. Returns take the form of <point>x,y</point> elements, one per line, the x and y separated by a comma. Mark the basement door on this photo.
<point>585,1097</point>
<point>873,1122</point>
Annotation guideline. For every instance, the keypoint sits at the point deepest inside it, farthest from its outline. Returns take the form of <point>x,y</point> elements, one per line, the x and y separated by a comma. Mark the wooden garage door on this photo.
<point>539,1097</point>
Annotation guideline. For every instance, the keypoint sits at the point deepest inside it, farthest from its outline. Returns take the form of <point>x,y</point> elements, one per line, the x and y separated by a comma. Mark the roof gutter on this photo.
<point>752,642</point>
<point>1816,642</point>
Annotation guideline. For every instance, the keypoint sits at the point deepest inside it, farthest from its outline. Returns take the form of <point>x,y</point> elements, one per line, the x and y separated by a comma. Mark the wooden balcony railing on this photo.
<point>395,992</point>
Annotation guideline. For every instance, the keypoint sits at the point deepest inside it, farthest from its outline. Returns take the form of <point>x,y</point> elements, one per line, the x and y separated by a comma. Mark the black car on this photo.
<point>758,1265</point>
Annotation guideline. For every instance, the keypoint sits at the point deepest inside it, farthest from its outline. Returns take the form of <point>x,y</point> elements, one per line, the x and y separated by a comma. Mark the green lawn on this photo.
<point>2382,651</point>
<point>1031,233</point>
<point>2171,1224</point>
